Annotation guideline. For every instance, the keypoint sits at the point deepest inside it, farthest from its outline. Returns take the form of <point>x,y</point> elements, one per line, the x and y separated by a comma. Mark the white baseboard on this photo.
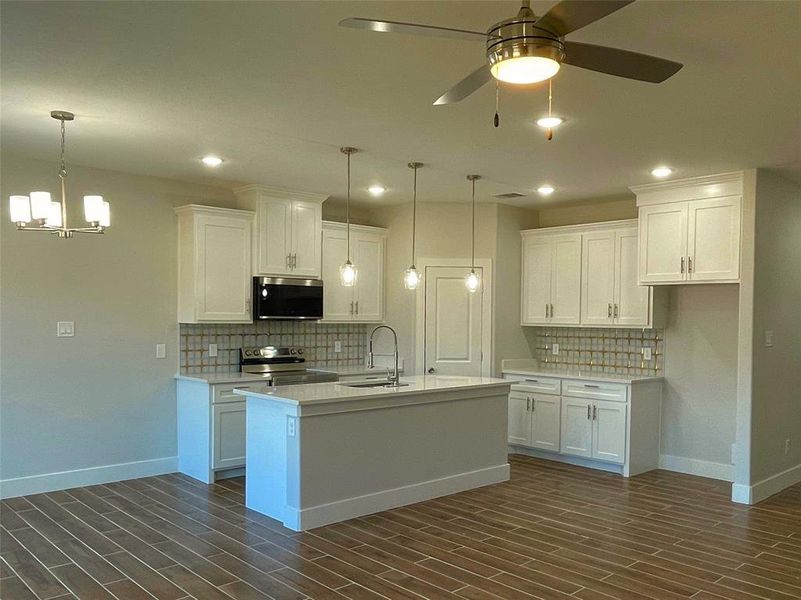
<point>694,466</point>
<point>325,514</point>
<point>577,461</point>
<point>751,494</point>
<point>50,482</point>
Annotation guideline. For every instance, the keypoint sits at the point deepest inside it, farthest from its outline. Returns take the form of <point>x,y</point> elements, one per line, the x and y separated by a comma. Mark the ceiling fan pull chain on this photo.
<point>497,120</point>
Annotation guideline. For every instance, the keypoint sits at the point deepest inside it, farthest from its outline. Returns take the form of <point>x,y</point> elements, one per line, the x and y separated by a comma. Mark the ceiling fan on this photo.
<point>526,48</point>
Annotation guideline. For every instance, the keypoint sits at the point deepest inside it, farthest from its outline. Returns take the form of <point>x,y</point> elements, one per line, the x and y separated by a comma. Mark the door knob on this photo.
<point>432,370</point>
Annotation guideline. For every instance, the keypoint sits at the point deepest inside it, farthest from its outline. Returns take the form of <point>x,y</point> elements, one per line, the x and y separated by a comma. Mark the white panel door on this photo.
<point>223,278</point>
<point>576,427</point>
<point>229,435</point>
<point>565,304</point>
<point>537,275</point>
<point>452,322</point>
<point>273,243</point>
<point>519,419</point>
<point>714,239</point>
<point>663,243</point>
<point>609,431</point>
<point>338,303</point>
<point>546,418</point>
<point>368,255</point>
<point>306,226</point>
<point>632,306</point>
<point>598,277</point>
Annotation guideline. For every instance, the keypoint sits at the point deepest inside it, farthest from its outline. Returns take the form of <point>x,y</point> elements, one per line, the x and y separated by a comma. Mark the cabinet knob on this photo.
<point>431,370</point>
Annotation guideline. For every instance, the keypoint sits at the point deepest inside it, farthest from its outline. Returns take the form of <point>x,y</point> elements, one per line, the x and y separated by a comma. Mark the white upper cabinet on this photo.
<point>214,270</point>
<point>287,230</point>
<point>690,230</point>
<point>551,279</point>
<point>364,301</point>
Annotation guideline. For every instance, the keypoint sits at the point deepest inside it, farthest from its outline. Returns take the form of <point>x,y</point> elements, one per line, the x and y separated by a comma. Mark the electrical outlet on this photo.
<point>65,329</point>
<point>212,350</point>
<point>290,427</point>
<point>787,447</point>
<point>161,350</point>
<point>555,349</point>
<point>768,338</point>
<point>647,353</point>
<point>337,346</point>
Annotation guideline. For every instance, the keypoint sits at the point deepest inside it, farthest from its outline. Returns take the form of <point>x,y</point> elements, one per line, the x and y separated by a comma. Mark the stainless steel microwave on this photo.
<point>287,298</point>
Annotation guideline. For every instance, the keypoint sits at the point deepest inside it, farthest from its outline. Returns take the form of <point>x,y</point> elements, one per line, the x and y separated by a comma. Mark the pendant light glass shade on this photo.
<point>54,217</point>
<point>411,276</point>
<point>348,271</point>
<point>40,205</point>
<point>93,208</point>
<point>20,209</point>
<point>105,215</point>
<point>472,281</point>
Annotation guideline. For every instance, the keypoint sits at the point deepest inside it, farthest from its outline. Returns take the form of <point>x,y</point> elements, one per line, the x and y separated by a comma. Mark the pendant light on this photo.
<point>472,281</point>
<point>411,276</point>
<point>51,216</point>
<point>348,272</point>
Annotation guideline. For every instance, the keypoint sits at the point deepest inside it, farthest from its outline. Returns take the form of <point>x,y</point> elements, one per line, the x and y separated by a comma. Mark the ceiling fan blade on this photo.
<point>622,63</point>
<point>466,86</point>
<point>412,28</point>
<point>570,15</point>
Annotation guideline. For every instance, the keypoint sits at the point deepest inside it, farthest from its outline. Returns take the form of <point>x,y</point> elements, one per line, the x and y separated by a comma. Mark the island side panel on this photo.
<point>194,430</point>
<point>360,462</point>
<point>271,455</point>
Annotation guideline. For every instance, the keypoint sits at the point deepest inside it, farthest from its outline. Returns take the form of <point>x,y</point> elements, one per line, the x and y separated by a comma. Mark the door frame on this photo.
<point>488,292</point>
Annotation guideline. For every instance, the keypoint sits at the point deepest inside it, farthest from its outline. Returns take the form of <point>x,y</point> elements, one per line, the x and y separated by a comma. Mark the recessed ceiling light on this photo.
<point>376,190</point>
<point>212,161</point>
<point>661,172</point>
<point>550,122</point>
<point>545,190</point>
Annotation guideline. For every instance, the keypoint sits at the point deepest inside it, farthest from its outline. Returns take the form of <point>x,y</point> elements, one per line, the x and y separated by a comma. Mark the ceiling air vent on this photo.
<point>509,196</point>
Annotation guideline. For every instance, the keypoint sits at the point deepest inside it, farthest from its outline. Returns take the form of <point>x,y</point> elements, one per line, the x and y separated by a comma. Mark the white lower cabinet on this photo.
<point>228,434</point>
<point>591,423</point>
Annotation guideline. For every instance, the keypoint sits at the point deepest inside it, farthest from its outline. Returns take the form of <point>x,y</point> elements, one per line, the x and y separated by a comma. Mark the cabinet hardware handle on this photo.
<point>295,261</point>
<point>616,311</point>
<point>551,311</point>
<point>589,385</point>
<point>351,307</point>
<point>609,311</point>
<point>286,262</point>
<point>546,310</point>
<point>689,264</point>
<point>357,307</point>
<point>682,264</point>
<point>528,404</point>
<point>594,413</point>
<point>532,380</point>
<point>588,412</point>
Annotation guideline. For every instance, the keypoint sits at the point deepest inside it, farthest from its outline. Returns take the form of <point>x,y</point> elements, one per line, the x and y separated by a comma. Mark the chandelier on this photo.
<point>38,212</point>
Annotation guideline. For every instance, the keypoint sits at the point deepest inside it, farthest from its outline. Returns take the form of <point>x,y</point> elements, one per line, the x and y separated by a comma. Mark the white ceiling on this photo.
<point>276,87</point>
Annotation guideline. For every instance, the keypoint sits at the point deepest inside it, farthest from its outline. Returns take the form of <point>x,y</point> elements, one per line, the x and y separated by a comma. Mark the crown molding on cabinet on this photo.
<point>580,228</point>
<point>692,188</point>
<point>212,210</point>
<point>280,193</point>
<point>336,225</point>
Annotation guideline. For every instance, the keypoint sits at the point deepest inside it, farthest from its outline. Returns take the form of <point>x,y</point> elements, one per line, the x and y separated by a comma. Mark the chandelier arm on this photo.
<point>62,174</point>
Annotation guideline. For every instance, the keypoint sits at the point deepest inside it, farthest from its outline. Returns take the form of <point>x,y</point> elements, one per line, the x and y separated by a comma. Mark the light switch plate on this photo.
<point>161,350</point>
<point>647,354</point>
<point>554,349</point>
<point>65,329</point>
<point>337,346</point>
<point>212,350</point>
<point>768,338</point>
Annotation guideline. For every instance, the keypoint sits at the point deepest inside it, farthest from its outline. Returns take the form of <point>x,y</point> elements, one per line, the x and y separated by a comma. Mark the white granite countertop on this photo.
<point>239,377</point>
<point>526,367</point>
<point>318,393</point>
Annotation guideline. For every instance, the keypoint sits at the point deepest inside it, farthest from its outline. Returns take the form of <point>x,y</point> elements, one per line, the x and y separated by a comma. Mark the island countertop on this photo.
<point>320,393</point>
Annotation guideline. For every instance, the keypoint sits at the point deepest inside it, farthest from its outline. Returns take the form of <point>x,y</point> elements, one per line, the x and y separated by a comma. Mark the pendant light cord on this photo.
<point>414,213</point>
<point>62,174</point>
<point>473,255</point>
<point>347,208</point>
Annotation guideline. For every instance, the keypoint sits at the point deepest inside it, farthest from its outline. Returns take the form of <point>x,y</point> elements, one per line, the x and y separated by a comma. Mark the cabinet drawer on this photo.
<point>536,384</point>
<point>225,393</point>
<point>595,390</point>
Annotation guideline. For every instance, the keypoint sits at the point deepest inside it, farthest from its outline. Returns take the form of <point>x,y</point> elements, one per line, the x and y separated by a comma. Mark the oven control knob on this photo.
<point>300,350</point>
<point>247,352</point>
<point>292,351</point>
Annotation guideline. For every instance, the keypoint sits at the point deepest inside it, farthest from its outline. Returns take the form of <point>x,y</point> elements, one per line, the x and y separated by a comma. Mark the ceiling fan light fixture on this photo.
<point>525,69</point>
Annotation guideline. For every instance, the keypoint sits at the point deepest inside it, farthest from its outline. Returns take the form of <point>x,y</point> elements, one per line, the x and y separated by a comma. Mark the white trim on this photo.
<point>694,466</point>
<point>486,310</point>
<point>49,482</point>
<point>673,184</point>
<point>745,494</point>
<point>580,228</point>
<point>279,193</point>
<point>577,461</point>
<point>341,510</point>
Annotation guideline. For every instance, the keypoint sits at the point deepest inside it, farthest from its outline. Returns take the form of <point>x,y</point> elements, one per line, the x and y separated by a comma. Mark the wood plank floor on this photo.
<point>552,532</point>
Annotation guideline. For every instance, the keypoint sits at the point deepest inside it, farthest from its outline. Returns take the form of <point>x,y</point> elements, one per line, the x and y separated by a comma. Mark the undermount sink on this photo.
<point>372,384</point>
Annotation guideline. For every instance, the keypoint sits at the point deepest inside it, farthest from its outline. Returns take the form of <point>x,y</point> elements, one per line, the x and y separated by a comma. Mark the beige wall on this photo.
<point>99,398</point>
<point>699,403</point>
<point>776,400</point>
<point>603,209</point>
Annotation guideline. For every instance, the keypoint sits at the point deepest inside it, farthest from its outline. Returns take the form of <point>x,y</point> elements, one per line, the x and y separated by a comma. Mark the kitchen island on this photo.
<point>326,452</point>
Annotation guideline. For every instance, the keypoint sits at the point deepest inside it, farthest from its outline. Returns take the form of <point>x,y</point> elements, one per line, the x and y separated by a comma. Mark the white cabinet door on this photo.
<point>598,277</point>
<point>609,431</point>
<point>632,305</point>
<point>306,223</point>
<point>714,239</point>
<point>338,303</point>
<point>519,419</point>
<point>576,427</point>
<point>565,303</point>
<point>228,432</point>
<point>368,254</point>
<point>546,421</point>
<point>537,276</point>
<point>273,243</point>
<point>663,243</point>
<point>222,268</point>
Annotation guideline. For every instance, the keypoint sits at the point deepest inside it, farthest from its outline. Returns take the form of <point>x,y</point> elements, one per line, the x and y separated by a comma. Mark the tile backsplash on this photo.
<point>317,339</point>
<point>601,350</point>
